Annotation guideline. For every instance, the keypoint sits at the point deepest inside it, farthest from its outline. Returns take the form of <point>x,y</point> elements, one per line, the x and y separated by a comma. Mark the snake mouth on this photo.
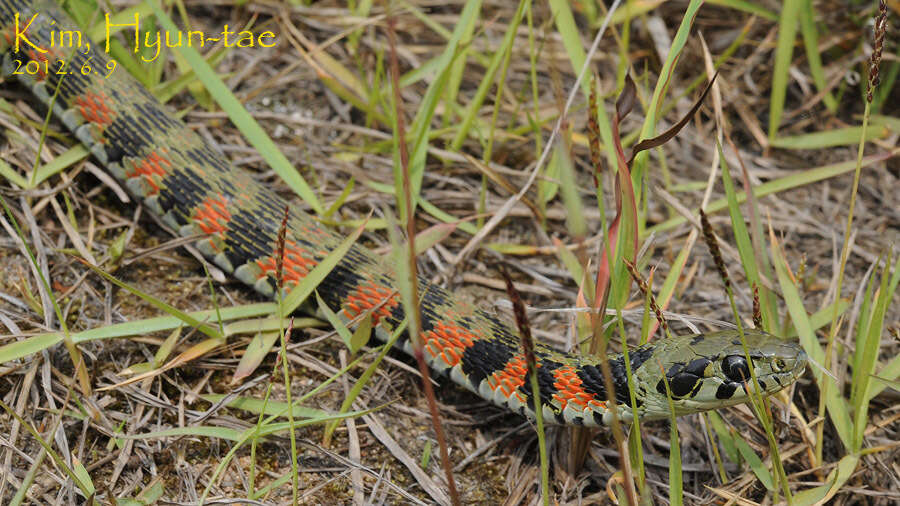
<point>785,369</point>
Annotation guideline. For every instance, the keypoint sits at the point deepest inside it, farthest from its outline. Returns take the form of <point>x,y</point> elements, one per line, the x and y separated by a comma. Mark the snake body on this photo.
<point>196,191</point>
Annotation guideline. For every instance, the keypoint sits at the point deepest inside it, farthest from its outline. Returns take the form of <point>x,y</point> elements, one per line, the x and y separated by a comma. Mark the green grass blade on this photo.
<point>420,127</point>
<point>726,436</point>
<point>792,181</point>
<point>36,344</point>
<point>847,136</point>
<point>667,290</point>
<point>861,330</point>
<point>306,286</point>
<point>209,330</point>
<point>813,56</point>
<point>821,318</point>
<point>575,222</point>
<point>747,6</point>
<point>82,475</point>
<point>549,182</point>
<point>836,479</point>
<point>837,407</point>
<point>571,263</point>
<point>267,324</point>
<point>40,342</point>
<point>208,431</point>
<point>648,129</point>
<point>240,117</point>
<point>755,463</point>
<point>870,345</point>
<point>164,92</point>
<point>428,207</point>
<point>568,30</point>
<point>886,378</point>
<point>739,227</point>
<point>90,13</point>
<point>742,237</point>
<point>257,406</point>
<point>676,483</point>
<point>336,323</point>
<point>487,80</point>
<point>457,70</point>
<point>345,193</point>
<point>11,175</point>
<point>784,53</point>
<point>891,371</point>
<point>255,352</point>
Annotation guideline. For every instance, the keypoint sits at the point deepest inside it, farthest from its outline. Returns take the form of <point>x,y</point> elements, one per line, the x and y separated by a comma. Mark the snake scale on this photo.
<point>196,191</point>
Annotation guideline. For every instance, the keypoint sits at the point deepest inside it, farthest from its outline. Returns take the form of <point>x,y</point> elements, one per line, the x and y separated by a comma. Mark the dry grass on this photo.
<point>379,457</point>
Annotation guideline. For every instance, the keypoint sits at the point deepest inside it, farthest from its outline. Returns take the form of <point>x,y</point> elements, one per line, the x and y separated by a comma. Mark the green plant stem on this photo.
<point>295,475</point>
<point>845,249</point>
<point>542,443</point>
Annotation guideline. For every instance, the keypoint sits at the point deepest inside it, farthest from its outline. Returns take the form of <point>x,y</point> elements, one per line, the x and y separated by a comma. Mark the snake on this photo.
<point>236,222</point>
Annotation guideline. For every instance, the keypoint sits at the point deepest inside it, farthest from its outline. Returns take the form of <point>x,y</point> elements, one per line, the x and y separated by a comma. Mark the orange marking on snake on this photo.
<point>297,264</point>
<point>212,215</point>
<point>511,377</point>
<point>39,58</point>
<point>151,167</point>
<point>568,386</point>
<point>449,341</point>
<point>368,296</point>
<point>93,108</point>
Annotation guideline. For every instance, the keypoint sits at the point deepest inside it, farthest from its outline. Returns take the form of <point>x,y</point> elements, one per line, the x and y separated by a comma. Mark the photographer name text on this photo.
<point>148,43</point>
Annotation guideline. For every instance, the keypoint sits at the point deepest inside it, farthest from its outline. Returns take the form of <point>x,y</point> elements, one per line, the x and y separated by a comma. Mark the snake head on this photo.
<point>711,371</point>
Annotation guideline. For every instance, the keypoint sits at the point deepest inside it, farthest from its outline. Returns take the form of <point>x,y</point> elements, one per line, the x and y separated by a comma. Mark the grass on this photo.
<point>487,84</point>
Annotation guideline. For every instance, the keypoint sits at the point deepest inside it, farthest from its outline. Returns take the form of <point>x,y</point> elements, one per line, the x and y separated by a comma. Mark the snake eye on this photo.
<point>779,365</point>
<point>735,367</point>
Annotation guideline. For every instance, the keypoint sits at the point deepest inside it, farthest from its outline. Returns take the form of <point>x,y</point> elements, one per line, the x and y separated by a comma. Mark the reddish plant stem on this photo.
<point>415,329</point>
